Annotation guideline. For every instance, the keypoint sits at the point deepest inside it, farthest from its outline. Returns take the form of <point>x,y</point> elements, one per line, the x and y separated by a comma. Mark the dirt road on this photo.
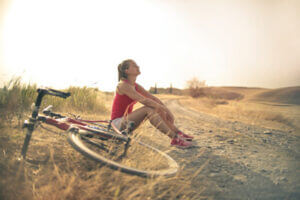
<point>240,161</point>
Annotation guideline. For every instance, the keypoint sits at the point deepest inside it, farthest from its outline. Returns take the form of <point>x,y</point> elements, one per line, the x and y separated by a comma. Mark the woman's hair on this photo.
<point>122,67</point>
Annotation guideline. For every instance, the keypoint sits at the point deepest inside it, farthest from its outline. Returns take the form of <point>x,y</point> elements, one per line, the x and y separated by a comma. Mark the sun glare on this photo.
<point>59,43</point>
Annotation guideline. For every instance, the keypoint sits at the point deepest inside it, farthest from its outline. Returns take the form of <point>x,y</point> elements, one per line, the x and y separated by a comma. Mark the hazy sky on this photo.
<point>59,43</point>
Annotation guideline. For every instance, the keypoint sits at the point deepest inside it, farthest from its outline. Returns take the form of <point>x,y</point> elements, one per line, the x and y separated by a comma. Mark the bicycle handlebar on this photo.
<point>54,92</point>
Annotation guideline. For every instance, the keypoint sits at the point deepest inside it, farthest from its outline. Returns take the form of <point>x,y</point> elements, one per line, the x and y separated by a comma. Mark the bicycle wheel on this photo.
<point>139,158</point>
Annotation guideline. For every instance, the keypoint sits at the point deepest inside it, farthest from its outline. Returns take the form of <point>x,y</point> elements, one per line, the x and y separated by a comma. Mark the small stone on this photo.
<point>268,132</point>
<point>240,178</point>
<point>280,179</point>
<point>210,131</point>
<point>215,170</point>
<point>212,174</point>
<point>230,141</point>
<point>264,140</point>
<point>283,179</point>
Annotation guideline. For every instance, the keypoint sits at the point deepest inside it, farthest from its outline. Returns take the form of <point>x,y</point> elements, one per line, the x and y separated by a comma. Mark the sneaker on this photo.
<point>179,143</point>
<point>185,136</point>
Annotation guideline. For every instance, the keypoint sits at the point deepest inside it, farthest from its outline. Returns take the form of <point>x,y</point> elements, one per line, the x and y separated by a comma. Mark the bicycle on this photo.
<point>101,141</point>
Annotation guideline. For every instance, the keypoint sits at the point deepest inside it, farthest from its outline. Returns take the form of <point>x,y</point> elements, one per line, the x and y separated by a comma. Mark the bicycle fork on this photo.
<point>32,122</point>
<point>30,128</point>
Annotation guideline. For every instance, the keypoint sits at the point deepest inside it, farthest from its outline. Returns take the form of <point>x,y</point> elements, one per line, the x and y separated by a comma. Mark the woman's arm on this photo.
<point>129,90</point>
<point>147,94</point>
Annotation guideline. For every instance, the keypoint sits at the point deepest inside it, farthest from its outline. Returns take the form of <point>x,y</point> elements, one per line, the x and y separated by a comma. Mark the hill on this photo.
<point>247,92</point>
<point>288,95</point>
<point>229,93</point>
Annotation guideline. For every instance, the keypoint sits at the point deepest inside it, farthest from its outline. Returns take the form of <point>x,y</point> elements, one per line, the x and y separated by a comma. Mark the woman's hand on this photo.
<point>165,113</point>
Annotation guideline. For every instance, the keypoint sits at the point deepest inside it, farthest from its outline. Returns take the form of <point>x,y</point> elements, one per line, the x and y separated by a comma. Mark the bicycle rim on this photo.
<point>141,159</point>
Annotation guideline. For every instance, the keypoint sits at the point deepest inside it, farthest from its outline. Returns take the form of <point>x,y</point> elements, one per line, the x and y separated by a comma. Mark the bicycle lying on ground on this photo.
<point>102,141</point>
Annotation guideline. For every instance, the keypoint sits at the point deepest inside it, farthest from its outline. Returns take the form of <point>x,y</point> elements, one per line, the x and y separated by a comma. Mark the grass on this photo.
<point>249,112</point>
<point>249,105</point>
<point>287,95</point>
<point>68,174</point>
<point>214,93</point>
<point>16,99</point>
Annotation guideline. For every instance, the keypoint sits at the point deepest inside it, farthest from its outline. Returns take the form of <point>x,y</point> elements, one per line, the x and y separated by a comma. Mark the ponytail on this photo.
<point>122,67</point>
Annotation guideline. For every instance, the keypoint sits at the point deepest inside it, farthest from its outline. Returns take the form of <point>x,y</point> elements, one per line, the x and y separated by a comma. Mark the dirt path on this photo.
<point>240,161</point>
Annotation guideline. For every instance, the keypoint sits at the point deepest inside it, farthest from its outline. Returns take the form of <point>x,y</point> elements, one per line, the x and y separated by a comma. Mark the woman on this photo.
<point>128,92</point>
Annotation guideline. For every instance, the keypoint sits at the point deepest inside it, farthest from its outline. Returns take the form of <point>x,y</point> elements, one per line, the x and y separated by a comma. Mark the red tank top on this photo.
<point>122,105</point>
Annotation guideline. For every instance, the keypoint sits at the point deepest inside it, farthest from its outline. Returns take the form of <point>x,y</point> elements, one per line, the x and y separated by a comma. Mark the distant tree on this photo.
<point>155,89</point>
<point>171,88</point>
<point>196,87</point>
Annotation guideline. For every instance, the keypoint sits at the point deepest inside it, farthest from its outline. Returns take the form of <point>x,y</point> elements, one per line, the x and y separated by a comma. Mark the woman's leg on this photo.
<point>139,115</point>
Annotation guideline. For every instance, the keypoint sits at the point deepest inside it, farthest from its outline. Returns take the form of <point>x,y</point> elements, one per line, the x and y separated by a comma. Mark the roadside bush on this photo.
<point>196,87</point>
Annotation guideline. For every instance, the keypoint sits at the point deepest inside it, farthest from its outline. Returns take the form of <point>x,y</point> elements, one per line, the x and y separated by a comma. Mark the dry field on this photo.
<point>243,150</point>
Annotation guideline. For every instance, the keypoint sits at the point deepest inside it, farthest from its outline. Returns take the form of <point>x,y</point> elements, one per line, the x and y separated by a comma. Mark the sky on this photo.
<point>62,43</point>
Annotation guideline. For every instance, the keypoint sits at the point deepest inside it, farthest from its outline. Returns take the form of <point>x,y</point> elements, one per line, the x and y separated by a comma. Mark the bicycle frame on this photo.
<point>69,124</point>
<point>65,123</point>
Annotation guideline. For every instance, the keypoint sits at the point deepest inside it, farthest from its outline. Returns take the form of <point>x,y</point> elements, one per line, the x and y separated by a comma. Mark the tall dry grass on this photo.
<point>16,99</point>
<point>68,174</point>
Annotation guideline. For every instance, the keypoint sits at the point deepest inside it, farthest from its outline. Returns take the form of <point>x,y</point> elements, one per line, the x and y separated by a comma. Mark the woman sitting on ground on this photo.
<point>128,92</point>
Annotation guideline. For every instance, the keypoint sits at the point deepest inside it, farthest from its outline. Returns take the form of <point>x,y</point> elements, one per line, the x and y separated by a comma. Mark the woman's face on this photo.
<point>133,69</point>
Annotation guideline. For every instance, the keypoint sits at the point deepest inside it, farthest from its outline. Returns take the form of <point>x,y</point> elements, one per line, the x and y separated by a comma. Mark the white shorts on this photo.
<point>117,122</point>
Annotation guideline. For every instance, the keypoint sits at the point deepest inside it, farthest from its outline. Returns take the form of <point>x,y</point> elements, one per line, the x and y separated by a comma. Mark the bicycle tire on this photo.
<point>78,142</point>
